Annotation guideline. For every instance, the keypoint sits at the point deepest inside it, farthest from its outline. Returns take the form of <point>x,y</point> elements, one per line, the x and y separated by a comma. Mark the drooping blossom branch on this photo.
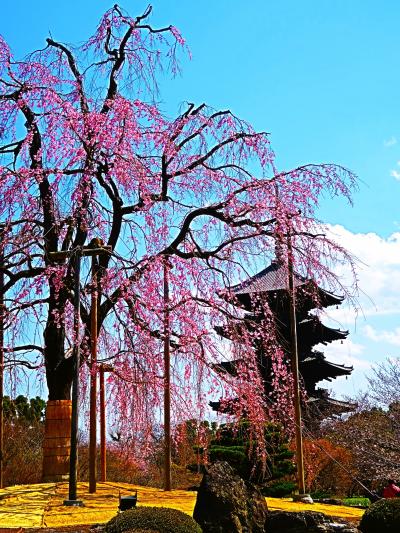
<point>85,153</point>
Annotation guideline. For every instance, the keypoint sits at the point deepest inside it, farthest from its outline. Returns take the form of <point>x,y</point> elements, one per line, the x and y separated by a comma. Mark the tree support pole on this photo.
<point>93,381</point>
<point>103,442</point>
<point>295,374</point>
<point>167,382</point>
<point>2,313</point>
<point>103,459</point>
<point>61,257</point>
<point>73,461</point>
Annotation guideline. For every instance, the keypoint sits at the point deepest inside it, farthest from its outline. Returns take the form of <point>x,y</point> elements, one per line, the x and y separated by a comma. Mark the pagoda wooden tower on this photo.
<point>270,286</point>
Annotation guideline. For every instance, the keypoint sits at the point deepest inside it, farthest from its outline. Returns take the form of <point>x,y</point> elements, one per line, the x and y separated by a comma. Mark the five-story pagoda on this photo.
<point>271,286</point>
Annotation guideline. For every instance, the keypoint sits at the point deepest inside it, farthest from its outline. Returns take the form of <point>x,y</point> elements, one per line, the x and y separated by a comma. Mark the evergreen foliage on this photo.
<point>23,409</point>
<point>279,489</point>
<point>23,432</point>
<point>233,444</point>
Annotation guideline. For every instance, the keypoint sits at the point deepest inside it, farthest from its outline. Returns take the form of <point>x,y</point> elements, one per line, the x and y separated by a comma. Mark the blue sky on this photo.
<point>322,76</point>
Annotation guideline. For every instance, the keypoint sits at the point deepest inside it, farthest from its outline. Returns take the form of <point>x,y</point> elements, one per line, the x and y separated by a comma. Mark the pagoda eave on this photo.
<point>316,369</point>
<point>330,406</point>
<point>272,283</point>
<point>229,367</point>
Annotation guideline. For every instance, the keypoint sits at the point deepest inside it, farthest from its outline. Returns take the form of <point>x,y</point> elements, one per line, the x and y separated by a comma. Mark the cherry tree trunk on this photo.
<point>57,436</point>
<point>57,440</point>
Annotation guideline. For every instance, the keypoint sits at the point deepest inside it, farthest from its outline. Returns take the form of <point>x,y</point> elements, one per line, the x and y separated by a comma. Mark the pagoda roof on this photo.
<point>323,405</point>
<point>316,368</point>
<point>328,406</point>
<point>313,368</point>
<point>237,327</point>
<point>274,279</point>
<point>226,407</point>
<point>312,328</point>
<point>227,366</point>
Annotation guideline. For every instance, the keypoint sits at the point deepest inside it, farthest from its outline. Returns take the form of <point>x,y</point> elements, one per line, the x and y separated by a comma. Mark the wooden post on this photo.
<point>2,309</point>
<point>103,459</point>
<point>73,462</point>
<point>61,256</point>
<point>167,383</point>
<point>295,373</point>
<point>93,382</point>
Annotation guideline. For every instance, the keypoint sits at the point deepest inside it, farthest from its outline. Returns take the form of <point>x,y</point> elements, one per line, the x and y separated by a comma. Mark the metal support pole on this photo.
<point>103,459</point>
<point>295,374</point>
<point>2,309</point>
<point>73,462</point>
<point>167,382</point>
<point>93,382</point>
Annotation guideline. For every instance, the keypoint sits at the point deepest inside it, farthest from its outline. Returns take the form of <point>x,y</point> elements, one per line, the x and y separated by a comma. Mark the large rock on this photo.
<point>304,522</point>
<point>227,504</point>
<point>382,517</point>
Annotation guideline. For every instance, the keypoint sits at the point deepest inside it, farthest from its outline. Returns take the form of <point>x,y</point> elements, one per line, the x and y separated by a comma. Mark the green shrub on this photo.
<point>279,489</point>
<point>382,517</point>
<point>237,449</point>
<point>142,531</point>
<point>235,455</point>
<point>359,502</point>
<point>320,495</point>
<point>236,445</point>
<point>160,519</point>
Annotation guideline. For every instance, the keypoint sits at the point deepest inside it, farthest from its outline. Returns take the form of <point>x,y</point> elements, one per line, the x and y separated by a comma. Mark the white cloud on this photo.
<point>390,142</point>
<point>372,338</point>
<point>391,337</point>
<point>370,248</point>
<point>378,272</point>
<point>395,174</point>
<point>346,354</point>
<point>375,332</point>
<point>350,354</point>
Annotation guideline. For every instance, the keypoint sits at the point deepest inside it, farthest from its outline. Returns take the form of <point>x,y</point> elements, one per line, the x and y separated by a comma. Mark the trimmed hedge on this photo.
<point>382,517</point>
<point>357,502</point>
<point>160,519</point>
